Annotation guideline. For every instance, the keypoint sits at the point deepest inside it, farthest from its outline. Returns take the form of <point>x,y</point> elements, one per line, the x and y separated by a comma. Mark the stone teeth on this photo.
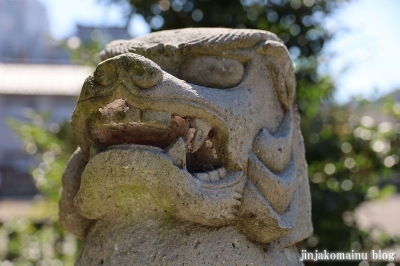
<point>113,108</point>
<point>177,151</point>
<point>157,119</point>
<point>201,133</point>
<point>201,176</point>
<point>211,176</point>
<point>221,172</point>
<point>133,115</point>
<point>119,111</point>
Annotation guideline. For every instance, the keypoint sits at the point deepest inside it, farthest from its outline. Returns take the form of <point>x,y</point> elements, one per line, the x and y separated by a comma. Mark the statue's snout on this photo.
<point>128,68</point>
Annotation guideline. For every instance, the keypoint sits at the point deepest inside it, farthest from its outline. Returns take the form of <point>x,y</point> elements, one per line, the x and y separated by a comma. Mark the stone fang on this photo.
<point>201,133</point>
<point>177,151</point>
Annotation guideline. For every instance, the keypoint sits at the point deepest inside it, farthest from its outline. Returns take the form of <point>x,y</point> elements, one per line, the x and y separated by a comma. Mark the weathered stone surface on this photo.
<point>190,153</point>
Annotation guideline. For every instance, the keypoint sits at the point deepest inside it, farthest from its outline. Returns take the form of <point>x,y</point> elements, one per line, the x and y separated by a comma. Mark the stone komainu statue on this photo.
<point>189,153</point>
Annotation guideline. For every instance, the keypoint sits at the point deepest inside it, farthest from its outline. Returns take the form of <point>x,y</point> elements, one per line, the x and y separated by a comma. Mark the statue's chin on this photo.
<point>138,179</point>
<point>125,178</point>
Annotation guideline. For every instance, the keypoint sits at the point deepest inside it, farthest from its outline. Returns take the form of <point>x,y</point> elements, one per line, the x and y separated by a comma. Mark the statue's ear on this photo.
<point>281,70</point>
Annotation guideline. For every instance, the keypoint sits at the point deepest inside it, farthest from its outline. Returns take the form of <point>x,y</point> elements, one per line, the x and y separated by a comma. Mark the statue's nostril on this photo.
<point>128,68</point>
<point>145,73</point>
<point>105,74</point>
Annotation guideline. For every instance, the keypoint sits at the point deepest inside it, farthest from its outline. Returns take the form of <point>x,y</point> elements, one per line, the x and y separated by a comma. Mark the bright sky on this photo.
<point>65,14</point>
<point>366,47</point>
<point>368,51</point>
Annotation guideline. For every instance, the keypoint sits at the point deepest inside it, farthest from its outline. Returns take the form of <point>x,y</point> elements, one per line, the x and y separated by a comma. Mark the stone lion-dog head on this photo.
<point>199,125</point>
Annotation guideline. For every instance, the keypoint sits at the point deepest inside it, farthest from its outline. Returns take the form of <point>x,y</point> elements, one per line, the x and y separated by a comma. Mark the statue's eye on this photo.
<point>212,71</point>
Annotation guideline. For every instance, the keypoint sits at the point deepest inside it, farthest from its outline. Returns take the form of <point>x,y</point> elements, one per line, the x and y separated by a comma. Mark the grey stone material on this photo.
<point>190,153</point>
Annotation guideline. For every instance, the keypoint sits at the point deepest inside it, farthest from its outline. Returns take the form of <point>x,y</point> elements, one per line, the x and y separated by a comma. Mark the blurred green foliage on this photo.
<point>352,156</point>
<point>39,240</point>
<point>51,144</point>
<point>83,53</point>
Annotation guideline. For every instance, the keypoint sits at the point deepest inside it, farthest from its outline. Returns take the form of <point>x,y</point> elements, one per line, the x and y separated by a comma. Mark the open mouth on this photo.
<point>190,141</point>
